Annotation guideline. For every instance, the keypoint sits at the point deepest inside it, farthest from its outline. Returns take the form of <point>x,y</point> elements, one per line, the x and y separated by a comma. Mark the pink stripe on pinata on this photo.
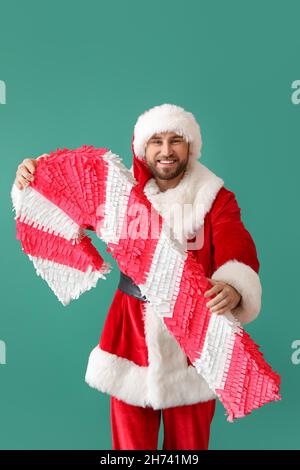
<point>250,381</point>
<point>138,239</point>
<point>75,181</point>
<point>191,317</point>
<point>36,242</point>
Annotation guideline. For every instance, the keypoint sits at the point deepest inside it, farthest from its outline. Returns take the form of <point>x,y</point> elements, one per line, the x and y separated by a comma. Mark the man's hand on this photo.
<point>25,172</point>
<point>227,297</point>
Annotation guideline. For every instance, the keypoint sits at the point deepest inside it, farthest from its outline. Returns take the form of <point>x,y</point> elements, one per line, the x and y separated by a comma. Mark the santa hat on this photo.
<point>167,118</point>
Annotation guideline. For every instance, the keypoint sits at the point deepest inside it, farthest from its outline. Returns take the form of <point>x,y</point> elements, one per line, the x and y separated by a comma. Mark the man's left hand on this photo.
<point>227,297</point>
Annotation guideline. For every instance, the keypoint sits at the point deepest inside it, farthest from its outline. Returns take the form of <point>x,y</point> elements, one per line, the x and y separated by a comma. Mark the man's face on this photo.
<point>167,155</point>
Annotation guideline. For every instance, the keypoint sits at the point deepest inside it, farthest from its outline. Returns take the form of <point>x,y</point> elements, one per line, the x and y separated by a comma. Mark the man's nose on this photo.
<point>166,149</point>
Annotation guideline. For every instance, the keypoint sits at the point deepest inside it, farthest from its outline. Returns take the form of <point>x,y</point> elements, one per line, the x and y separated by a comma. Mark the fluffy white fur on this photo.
<point>185,206</point>
<point>167,118</point>
<point>246,281</point>
<point>167,381</point>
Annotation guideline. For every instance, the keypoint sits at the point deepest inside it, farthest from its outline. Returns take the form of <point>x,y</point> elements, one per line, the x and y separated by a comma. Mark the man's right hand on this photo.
<point>25,172</point>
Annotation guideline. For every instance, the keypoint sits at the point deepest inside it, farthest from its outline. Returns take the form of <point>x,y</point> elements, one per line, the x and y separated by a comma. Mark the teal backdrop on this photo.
<point>80,73</point>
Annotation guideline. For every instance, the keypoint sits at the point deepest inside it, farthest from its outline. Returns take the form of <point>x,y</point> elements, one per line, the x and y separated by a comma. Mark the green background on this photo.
<point>81,73</point>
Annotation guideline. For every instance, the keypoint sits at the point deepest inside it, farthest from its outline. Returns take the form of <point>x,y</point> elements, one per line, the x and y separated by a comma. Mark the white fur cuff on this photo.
<point>246,281</point>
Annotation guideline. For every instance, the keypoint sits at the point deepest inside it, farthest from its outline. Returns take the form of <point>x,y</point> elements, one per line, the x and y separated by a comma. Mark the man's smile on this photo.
<point>165,162</point>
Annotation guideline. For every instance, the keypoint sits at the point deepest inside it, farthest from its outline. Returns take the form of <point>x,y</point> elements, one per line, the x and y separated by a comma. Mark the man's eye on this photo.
<point>157,141</point>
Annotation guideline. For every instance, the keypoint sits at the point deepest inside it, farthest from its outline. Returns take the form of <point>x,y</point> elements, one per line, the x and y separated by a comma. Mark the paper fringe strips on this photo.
<point>90,188</point>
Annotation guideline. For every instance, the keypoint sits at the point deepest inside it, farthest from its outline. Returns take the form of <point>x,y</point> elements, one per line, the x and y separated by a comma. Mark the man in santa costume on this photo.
<point>138,362</point>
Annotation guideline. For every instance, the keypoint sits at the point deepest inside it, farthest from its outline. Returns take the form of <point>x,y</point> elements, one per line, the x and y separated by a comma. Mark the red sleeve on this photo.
<point>230,238</point>
<point>235,258</point>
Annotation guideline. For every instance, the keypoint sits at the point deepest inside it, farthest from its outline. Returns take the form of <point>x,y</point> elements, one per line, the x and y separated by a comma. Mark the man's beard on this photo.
<point>168,175</point>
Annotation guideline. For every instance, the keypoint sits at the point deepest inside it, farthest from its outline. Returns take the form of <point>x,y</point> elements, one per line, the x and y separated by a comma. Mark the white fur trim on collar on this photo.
<point>185,206</point>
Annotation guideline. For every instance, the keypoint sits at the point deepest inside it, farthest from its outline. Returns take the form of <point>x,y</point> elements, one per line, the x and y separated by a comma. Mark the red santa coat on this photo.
<point>137,359</point>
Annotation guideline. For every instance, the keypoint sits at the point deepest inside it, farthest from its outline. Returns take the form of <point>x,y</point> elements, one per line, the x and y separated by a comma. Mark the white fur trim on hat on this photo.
<point>167,118</point>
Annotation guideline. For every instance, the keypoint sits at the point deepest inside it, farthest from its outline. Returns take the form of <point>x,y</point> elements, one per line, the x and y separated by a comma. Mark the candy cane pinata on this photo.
<point>90,188</point>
